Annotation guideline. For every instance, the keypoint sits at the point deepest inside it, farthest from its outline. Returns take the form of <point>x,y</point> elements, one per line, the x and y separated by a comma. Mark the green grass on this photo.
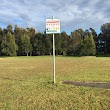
<point>26,83</point>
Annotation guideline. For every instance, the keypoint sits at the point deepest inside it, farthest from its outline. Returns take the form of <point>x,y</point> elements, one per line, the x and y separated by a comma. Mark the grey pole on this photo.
<point>53,56</point>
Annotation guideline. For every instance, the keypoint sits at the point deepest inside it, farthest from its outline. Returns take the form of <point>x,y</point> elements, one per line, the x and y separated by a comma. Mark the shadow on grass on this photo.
<point>105,55</point>
<point>104,85</point>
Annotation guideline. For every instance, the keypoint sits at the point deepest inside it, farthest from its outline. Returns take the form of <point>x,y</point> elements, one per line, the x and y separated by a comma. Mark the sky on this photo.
<point>74,14</point>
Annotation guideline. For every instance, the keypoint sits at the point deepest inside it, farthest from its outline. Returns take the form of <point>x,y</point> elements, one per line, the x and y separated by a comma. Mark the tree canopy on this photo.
<point>26,41</point>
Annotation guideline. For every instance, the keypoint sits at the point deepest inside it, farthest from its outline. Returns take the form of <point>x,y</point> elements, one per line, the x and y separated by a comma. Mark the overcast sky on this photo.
<point>74,14</point>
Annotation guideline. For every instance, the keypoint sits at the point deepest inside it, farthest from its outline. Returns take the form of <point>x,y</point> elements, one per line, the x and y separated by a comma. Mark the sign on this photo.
<point>52,26</point>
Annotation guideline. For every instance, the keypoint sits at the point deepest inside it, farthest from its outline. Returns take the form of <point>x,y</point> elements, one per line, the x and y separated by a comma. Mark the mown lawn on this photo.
<point>26,83</point>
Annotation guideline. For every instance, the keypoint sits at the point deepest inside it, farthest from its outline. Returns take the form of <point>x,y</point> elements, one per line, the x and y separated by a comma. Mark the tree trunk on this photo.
<point>27,54</point>
<point>64,53</point>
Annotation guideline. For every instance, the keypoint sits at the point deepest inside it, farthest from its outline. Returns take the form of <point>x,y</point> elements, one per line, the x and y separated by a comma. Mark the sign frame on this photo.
<point>52,26</point>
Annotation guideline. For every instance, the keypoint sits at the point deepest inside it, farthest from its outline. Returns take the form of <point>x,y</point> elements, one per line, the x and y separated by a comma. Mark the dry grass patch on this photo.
<point>26,83</point>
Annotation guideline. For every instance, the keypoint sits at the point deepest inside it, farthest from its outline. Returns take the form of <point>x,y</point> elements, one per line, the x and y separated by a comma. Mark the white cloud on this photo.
<point>73,13</point>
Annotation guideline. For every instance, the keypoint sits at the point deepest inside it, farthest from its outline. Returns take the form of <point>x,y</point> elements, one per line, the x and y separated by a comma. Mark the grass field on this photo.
<point>26,83</point>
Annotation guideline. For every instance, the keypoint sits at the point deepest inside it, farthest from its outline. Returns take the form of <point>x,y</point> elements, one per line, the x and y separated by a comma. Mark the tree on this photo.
<point>31,32</point>
<point>38,44</point>
<point>105,31</point>
<point>9,28</point>
<point>76,42</point>
<point>18,34</point>
<point>8,45</point>
<point>89,47</point>
<point>93,32</point>
<point>5,31</point>
<point>86,33</point>
<point>65,43</point>
<point>57,44</point>
<point>1,35</point>
<point>48,44</point>
<point>25,45</point>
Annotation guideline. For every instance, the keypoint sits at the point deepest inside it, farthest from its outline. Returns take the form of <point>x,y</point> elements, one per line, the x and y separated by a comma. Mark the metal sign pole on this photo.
<point>53,59</point>
<point>53,56</point>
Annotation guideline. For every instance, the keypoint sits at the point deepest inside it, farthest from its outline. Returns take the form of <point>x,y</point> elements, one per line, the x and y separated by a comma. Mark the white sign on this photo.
<point>52,26</point>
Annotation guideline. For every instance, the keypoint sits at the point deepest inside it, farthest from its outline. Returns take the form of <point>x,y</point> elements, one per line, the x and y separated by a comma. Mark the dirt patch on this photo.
<point>104,85</point>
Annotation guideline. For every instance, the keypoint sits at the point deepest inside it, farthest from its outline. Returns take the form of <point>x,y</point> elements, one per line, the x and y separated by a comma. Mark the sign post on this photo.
<point>53,59</point>
<point>53,27</point>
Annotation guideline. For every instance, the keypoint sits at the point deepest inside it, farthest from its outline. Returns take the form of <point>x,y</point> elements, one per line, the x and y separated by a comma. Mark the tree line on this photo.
<point>28,42</point>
